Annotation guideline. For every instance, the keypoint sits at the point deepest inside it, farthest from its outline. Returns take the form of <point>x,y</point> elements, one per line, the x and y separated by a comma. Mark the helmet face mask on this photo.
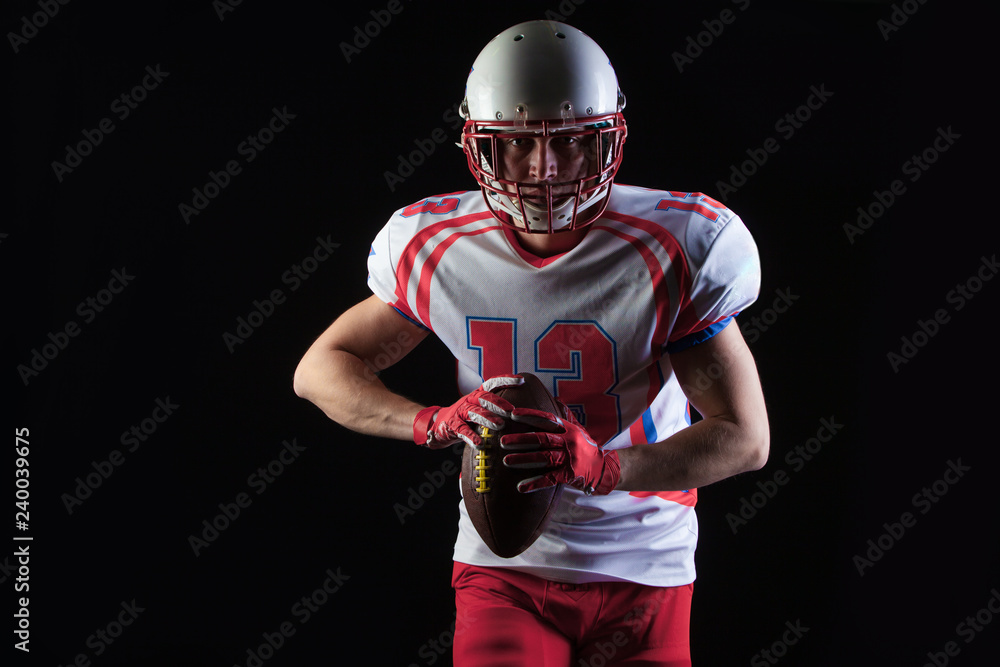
<point>522,96</point>
<point>588,156</point>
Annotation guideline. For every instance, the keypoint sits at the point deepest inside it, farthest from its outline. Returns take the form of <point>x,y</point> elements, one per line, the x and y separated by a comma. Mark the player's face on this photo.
<point>546,159</point>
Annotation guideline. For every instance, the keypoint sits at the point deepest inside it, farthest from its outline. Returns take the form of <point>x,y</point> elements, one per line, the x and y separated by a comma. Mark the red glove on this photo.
<point>438,427</point>
<point>565,445</point>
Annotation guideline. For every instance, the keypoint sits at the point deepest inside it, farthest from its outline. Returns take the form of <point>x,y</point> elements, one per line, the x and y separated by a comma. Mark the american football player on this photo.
<point>622,299</point>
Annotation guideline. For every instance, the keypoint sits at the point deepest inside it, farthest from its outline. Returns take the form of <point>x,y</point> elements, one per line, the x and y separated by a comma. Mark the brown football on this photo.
<point>508,521</point>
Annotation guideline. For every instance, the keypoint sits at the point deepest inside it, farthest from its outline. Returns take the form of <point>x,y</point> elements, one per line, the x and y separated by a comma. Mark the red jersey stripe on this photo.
<point>408,259</point>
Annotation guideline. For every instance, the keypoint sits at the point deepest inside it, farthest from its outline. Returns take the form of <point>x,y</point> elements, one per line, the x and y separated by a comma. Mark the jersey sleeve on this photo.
<point>383,265</point>
<point>725,282</point>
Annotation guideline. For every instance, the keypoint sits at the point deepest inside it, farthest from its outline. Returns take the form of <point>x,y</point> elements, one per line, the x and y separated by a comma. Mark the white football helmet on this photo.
<point>544,79</point>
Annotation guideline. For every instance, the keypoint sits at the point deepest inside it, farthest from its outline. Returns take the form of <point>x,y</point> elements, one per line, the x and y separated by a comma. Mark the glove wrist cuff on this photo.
<point>611,474</point>
<point>422,425</point>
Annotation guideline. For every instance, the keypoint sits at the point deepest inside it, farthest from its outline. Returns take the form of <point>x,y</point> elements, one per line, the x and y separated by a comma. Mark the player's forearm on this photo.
<point>706,452</point>
<point>349,393</point>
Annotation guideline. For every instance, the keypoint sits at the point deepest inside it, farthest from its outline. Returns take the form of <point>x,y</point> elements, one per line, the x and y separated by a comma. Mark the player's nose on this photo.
<point>544,163</point>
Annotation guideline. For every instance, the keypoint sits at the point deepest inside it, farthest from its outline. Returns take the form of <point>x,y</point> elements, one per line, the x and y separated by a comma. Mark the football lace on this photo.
<point>482,462</point>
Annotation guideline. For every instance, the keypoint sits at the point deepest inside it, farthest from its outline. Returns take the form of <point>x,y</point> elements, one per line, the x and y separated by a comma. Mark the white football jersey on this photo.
<point>659,271</point>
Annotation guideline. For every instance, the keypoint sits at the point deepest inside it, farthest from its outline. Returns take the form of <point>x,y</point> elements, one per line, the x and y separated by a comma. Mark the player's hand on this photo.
<point>563,444</point>
<point>436,427</point>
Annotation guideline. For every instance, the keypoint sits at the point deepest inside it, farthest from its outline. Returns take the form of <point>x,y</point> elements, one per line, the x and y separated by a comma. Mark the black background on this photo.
<point>335,507</point>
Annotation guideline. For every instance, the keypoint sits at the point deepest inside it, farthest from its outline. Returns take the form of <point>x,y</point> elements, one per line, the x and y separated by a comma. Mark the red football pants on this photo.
<point>507,618</point>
